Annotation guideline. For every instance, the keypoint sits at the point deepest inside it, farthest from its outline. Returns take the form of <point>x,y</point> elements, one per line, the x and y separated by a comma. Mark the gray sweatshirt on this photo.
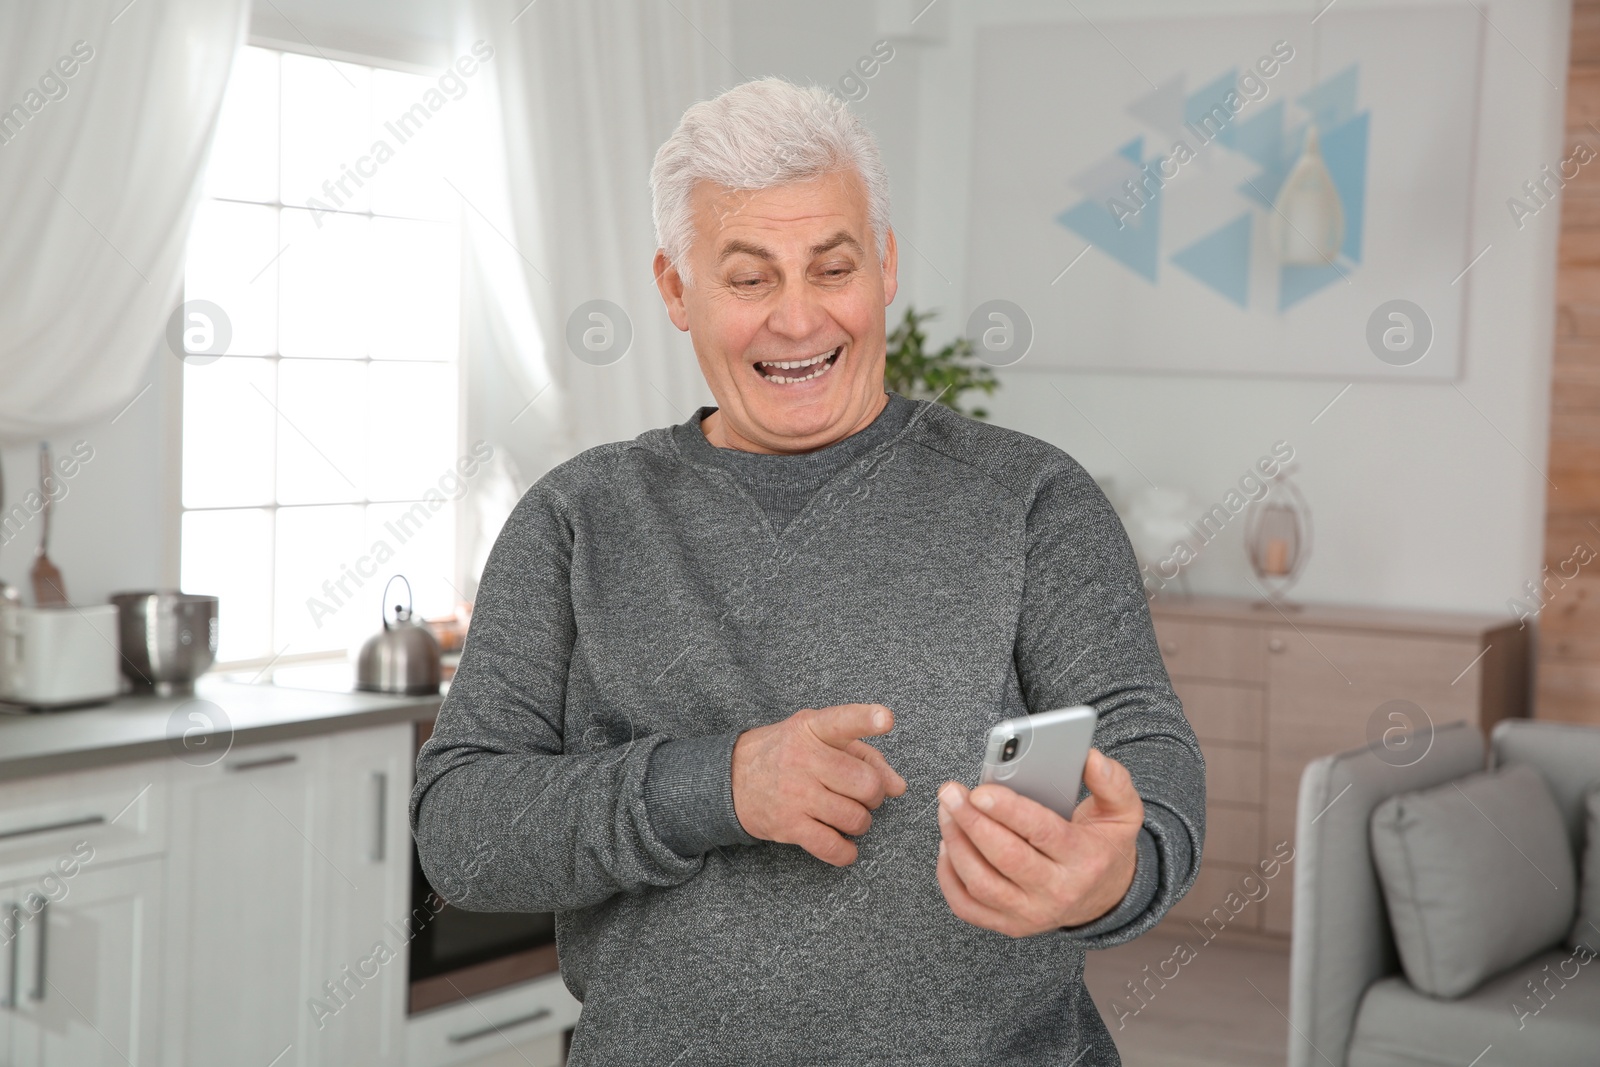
<point>649,600</point>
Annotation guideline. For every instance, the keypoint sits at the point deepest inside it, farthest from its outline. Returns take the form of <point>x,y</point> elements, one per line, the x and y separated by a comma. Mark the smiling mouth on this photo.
<point>795,371</point>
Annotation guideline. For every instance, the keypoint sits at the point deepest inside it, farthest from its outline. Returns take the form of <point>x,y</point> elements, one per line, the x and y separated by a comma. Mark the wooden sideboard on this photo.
<point>1268,690</point>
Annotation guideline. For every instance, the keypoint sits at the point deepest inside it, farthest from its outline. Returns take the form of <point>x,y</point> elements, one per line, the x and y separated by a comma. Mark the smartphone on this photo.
<point>1041,756</point>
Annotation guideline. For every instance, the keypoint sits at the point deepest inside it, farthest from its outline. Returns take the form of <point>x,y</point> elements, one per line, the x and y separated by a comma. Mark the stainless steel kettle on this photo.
<point>403,657</point>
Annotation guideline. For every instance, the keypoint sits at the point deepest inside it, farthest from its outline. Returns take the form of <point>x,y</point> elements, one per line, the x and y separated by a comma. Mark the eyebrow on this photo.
<point>735,247</point>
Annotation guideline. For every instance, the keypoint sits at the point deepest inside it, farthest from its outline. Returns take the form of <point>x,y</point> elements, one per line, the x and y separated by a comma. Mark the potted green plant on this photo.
<point>945,375</point>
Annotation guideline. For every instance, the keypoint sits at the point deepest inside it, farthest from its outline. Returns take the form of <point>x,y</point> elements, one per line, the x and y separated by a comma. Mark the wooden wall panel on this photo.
<point>1567,683</point>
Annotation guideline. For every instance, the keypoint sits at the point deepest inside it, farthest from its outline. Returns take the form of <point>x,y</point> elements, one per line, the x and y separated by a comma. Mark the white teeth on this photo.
<point>797,363</point>
<point>822,368</point>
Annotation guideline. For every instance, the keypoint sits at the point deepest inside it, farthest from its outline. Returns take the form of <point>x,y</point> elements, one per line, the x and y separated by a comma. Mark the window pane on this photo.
<point>228,428</point>
<point>325,302</point>
<point>416,290</point>
<point>422,538</point>
<point>411,435</point>
<point>326,117</point>
<point>420,125</point>
<point>244,156</point>
<point>225,555</point>
<point>280,454</point>
<point>315,587</point>
<point>231,261</point>
<point>321,425</point>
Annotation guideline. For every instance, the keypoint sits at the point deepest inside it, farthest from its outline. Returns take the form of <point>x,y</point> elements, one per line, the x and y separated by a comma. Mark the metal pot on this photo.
<point>168,639</point>
<point>403,657</point>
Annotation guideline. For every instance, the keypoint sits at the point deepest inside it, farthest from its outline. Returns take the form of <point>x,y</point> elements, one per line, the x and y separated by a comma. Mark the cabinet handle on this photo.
<point>1275,645</point>
<point>380,789</point>
<point>42,924</point>
<point>270,761</point>
<point>473,1035</point>
<point>87,820</point>
<point>14,921</point>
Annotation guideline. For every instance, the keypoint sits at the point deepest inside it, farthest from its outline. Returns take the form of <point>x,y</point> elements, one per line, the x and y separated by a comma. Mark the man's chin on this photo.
<point>802,423</point>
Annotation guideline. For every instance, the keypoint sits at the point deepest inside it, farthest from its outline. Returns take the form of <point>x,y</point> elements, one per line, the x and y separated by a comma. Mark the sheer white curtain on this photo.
<point>585,93</point>
<point>106,114</point>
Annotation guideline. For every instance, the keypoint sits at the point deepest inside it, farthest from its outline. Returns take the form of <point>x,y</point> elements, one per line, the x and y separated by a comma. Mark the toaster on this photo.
<point>58,657</point>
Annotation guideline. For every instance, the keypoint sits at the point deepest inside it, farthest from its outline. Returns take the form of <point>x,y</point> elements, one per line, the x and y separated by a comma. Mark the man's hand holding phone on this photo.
<point>1010,864</point>
<point>810,779</point>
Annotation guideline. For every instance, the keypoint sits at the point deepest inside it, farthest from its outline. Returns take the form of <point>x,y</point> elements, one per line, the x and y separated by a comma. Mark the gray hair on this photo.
<point>757,135</point>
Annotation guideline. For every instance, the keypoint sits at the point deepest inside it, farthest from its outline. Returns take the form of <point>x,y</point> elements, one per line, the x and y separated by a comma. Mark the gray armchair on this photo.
<point>1350,1004</point>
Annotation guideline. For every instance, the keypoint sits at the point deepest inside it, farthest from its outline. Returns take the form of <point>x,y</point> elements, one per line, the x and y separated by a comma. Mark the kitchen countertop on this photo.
<point>300,702</point>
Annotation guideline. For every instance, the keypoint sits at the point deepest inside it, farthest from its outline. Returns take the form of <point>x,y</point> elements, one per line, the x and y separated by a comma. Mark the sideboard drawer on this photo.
<point>1233,772</point>
<point>1219,711</point>
<point>1233,834</point>
<point>1212,650</point>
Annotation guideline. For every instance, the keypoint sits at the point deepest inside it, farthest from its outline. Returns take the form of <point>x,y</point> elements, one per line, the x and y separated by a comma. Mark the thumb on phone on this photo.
<point>1112,797</point>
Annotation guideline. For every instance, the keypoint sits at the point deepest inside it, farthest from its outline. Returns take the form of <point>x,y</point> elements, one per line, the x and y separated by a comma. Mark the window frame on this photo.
<point>171,385</point>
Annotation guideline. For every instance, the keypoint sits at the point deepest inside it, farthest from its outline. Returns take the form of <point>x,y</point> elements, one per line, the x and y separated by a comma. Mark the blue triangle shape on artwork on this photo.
<point>1221,259</point>
<point>1162,107</point>
<point>1260,137</point>
<point>1295,283</point>
<point>1131,240</point>
<point>1264,187</point>
<point>1133,245</point>
<point>1199,109</point>
<point>1332,102</point>
<point>1344,150</point>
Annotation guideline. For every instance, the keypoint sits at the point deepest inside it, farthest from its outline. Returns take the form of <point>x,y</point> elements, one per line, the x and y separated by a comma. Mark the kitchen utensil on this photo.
<point>403,657</point>
<point>48,587</point>
<point>168,639</point>
<point>58,657</point>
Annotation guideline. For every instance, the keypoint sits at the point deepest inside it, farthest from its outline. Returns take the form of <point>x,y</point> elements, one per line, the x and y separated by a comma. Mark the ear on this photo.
<point>891,268</point>
<point>670,284</point>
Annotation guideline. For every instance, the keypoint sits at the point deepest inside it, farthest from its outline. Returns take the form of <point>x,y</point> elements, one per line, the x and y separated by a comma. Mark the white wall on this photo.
<point>110,531</point>
<point>1421,493</point>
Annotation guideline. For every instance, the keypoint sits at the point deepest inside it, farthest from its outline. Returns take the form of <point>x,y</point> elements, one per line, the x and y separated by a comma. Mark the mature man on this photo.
<point>681,643</point>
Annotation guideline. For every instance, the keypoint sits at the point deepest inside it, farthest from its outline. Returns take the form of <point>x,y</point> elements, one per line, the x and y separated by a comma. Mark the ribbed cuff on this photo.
<point>1146,880</point>
<point>688,791</point>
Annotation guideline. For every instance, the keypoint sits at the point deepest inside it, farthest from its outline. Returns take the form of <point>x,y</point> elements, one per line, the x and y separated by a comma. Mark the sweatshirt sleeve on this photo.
<point>1085,637</point>
<point>504,819</point>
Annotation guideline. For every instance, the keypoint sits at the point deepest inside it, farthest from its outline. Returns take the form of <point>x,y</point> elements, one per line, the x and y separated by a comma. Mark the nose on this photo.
<point>798,313</point>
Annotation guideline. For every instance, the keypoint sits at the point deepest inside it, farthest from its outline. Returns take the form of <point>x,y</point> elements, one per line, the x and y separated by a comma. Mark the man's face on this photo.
<point>785,275</point>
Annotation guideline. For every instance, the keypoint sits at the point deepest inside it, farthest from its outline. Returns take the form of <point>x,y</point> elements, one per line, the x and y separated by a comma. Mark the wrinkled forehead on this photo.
<point>794,219</point>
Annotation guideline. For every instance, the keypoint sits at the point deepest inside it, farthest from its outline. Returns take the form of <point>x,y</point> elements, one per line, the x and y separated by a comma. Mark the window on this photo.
<point>318,447</point>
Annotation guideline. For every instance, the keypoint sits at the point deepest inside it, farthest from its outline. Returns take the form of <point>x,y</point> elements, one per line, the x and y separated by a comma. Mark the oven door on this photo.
<point>458,954</point>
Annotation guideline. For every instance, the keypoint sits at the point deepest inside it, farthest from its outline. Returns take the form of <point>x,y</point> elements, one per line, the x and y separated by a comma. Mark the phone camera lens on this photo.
<point>1009,751</point>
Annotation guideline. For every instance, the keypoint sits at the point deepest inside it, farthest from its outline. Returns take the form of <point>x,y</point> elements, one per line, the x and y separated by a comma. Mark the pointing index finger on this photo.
<point>840,725</point>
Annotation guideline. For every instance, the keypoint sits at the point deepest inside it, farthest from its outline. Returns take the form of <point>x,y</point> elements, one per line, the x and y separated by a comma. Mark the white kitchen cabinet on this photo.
<point>80,862</point>
<point>13,919</point>
<point>87,970</point>
<point>212,908</point>
<point>290,864</point>
<point>358,997</point>
<point>244,876</point>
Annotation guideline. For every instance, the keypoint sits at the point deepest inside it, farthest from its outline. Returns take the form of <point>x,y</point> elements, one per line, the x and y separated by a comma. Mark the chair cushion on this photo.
<point>1586,931</point>
<point>1557,1026</point>
<point>1478,876</point>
